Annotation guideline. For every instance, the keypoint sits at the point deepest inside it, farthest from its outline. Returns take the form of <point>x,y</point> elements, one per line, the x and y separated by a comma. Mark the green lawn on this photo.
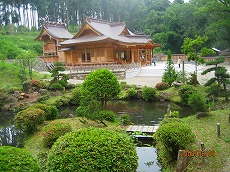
<point>205,130</point>
<point>9,73</point>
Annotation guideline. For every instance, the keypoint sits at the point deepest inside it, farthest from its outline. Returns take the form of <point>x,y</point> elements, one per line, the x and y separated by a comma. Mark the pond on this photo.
<point>141,113</point>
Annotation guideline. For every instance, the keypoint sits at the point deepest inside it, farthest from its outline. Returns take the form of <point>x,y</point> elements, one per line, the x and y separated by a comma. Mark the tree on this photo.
<point>221,77</point>
<point>59,79</point>
<point>195,50</point>
<point>102,85</point>
<point>170,74</point>
<point>26,59</point>
<point>217,14</point>
<point>98,87</point>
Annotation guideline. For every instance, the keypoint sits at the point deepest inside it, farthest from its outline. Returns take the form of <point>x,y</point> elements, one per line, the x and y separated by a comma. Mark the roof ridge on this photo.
<point>54,24</point>
<point>111,23</point>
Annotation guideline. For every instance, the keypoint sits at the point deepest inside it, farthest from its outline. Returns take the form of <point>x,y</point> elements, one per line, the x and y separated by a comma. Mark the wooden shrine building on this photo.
<point>100,42</point>
<point>52,34</point>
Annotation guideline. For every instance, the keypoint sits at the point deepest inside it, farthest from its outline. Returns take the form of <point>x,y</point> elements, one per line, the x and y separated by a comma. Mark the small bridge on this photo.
<point>142,128</point>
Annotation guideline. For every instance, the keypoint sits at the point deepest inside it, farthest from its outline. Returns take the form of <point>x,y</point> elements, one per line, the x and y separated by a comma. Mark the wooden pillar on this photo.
<point>132,51</point>
<point>95,54</point>
<point>182,162</point>
<point>71,54</point>
<point>138,55</point>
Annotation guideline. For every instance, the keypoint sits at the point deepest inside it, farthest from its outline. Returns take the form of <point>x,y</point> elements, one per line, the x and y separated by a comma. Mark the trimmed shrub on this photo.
<point>93,149</point>
<point>29,119</point>
<point>170,120</point>
<point>128,94</point>
<point>76,96</point>
<point>173,136</point>
<point>51,112</point>
<point>148,93</point>
<point>161,86</point>
<point>125,119</point>
<point>197,101</point>
<point>131,93</point>
<point>17,159</point>
<point>58,100</point>
<point>107,115</point>
<point>184,92</point>
<point>56,86</point>
<point>53,131</point>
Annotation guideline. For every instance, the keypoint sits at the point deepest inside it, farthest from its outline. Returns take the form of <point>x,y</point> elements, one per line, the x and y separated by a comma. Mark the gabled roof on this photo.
<point>54,30</point>
<point>98,30</point>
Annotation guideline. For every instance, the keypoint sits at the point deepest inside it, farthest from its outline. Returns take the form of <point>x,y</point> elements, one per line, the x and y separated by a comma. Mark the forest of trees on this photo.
<point>168,23</point>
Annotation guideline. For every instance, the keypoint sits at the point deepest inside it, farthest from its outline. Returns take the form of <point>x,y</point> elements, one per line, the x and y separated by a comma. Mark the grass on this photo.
<point>9,76</point>
<point>205,130</point>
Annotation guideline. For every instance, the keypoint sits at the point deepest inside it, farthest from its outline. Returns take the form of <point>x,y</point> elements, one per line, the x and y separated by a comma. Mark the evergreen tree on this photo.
<point>170,74</point>
<point>221,78</point>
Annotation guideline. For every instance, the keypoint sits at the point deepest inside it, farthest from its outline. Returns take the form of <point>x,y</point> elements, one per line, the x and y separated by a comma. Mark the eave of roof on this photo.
<point>56,31</point>
<point>84,39</point>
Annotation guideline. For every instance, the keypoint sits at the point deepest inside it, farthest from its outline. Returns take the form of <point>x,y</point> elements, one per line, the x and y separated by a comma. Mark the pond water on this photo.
<point>141,113</point>
<point>147,159</point>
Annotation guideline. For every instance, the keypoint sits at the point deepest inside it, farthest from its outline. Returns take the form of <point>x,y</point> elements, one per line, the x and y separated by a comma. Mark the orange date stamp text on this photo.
<point>198,153</point>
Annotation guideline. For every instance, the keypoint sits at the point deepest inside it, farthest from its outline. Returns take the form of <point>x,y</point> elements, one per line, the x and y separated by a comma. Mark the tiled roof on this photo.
<point>84,39</point>
<point>108,30</point>
<point>56,30</point>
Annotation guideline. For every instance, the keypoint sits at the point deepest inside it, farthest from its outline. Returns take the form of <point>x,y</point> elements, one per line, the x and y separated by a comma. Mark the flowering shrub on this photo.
<point>35,83</point>
<point>161,86</point>
<point>53,131</point>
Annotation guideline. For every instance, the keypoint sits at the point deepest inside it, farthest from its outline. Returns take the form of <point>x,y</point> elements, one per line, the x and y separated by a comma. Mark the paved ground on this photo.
<point>151,75</point>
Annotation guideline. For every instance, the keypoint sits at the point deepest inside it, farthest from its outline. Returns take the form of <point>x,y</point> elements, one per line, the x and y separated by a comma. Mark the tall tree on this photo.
<point>195,50</point>
<point>169,75</point>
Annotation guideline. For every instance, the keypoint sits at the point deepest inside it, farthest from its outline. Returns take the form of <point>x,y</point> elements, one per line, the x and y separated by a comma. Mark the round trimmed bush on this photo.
<point>29,119</point>
<point>53,131</point>
<point>107,115</point>
<point>125,119</point>
<point>148,93</point>
<point>93,149</point>
<point>17,160</point>
<point>174,136</point>
<point>51,112</point>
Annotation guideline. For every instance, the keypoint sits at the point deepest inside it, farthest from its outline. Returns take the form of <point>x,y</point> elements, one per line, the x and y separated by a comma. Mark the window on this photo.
<point>123,54</point>
<point>86,56</point>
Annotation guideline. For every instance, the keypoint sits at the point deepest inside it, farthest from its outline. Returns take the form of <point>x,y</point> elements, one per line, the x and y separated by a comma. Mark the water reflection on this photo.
<point>145,113</point>
<point>147,159</point>
<point>9,136</point>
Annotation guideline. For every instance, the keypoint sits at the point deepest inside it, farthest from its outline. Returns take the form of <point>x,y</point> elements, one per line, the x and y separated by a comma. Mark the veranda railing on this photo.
<point>112,67</point>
